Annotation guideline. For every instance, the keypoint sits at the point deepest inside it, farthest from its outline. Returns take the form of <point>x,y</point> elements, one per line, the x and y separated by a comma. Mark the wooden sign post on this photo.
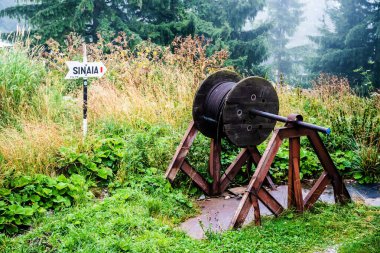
<point>85,70</point>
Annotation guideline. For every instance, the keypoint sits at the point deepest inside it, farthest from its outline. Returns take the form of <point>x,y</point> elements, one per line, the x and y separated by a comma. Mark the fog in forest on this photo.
<point>313,14</point>
<point>7,24</point>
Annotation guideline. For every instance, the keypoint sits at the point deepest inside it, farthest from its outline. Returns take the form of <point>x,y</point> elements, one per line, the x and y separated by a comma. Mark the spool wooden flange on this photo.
<point>242,128</point>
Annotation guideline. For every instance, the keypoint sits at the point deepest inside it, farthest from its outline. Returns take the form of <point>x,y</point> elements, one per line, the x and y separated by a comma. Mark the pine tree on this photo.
<point>351,48</point>
<point>285,16</point>
<point>224,22</point>
<point>158,20</point>
<point>6,24</point>
<point>375,39</point>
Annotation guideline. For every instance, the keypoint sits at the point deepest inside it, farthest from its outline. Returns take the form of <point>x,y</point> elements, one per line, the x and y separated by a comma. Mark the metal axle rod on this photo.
<point>297,122</point>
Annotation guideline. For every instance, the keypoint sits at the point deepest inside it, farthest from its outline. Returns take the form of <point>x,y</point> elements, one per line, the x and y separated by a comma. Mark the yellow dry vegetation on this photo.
<point>151,84</point>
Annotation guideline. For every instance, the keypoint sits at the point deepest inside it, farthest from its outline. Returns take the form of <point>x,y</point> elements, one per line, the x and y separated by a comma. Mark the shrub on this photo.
<point>98,163</point>
<point>23,197</point>
<point>137,151</point>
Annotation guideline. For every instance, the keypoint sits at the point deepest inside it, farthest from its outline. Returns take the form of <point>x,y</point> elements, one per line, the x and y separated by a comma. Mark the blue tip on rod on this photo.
<point>324,130</point>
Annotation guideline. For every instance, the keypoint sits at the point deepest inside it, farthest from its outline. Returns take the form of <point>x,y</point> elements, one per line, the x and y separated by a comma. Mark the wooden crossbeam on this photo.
<point>316,191</point>
<point>293,132</point>
<point>233,169</point>
<point>196,177</point>
<point>270,202</point>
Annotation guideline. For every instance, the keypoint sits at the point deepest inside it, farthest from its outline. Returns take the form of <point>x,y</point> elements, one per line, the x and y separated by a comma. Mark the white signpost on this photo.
<point>85,70</point>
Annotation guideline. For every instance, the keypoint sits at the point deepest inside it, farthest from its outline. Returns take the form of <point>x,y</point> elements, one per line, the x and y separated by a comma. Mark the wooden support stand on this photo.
<point>220,182</point>
<point>256,191</point>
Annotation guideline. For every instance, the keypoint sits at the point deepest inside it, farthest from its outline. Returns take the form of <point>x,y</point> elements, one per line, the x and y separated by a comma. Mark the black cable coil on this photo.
<point>215,101</point>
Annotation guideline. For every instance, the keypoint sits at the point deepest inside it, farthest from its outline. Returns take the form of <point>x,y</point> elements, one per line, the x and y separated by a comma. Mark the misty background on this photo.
<point>7,24</point>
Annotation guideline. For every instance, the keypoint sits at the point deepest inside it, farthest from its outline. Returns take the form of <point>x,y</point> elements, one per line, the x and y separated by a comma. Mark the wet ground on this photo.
<point>218,212</point>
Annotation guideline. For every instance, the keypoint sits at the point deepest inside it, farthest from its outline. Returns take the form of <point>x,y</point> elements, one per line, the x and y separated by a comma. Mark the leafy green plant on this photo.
<point>309,164</point>
<point>99,163</point>
<point>149,148</point>
<point>367,165</point>
<point>26,196</point>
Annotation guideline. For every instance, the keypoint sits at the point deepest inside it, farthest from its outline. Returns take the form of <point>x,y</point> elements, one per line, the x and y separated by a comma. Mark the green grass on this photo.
<point>136,220</point>
<point>21,78</point>
<point>368,244</point>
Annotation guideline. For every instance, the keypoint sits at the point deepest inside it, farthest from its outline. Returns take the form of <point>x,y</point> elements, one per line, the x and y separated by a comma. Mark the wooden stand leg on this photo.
<point>340,191</point>
<point>215,165</point>
<point>294,182</point>
<point>256,210</point>
<point>257,180</point>
<point>181,153</point>
<point>255,154</point>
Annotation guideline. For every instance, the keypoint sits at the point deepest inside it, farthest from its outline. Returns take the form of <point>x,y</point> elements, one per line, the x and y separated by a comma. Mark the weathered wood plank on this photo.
<point>256,159</point>
<point>270,202</point>
<point>181,153</point>
<point>340,191</point>
<point>215,165</point>
<point>196,177</point>
<point>294,184</point>
<point>257,179</point>
<point>256,210</point>
<point>242,211</point>
<point>293,132</point>
<point>317,190</point>
<point>233,169</point>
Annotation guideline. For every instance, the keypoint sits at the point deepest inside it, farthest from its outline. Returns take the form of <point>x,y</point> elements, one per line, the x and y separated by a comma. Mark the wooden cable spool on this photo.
<point>222,108</point>
<point>245,111</point>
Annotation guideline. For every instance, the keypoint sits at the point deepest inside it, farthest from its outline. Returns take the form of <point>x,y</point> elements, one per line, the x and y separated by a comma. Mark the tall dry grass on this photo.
<point>155,85</point>
<point>30,150</point>
<point>149,83</point>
